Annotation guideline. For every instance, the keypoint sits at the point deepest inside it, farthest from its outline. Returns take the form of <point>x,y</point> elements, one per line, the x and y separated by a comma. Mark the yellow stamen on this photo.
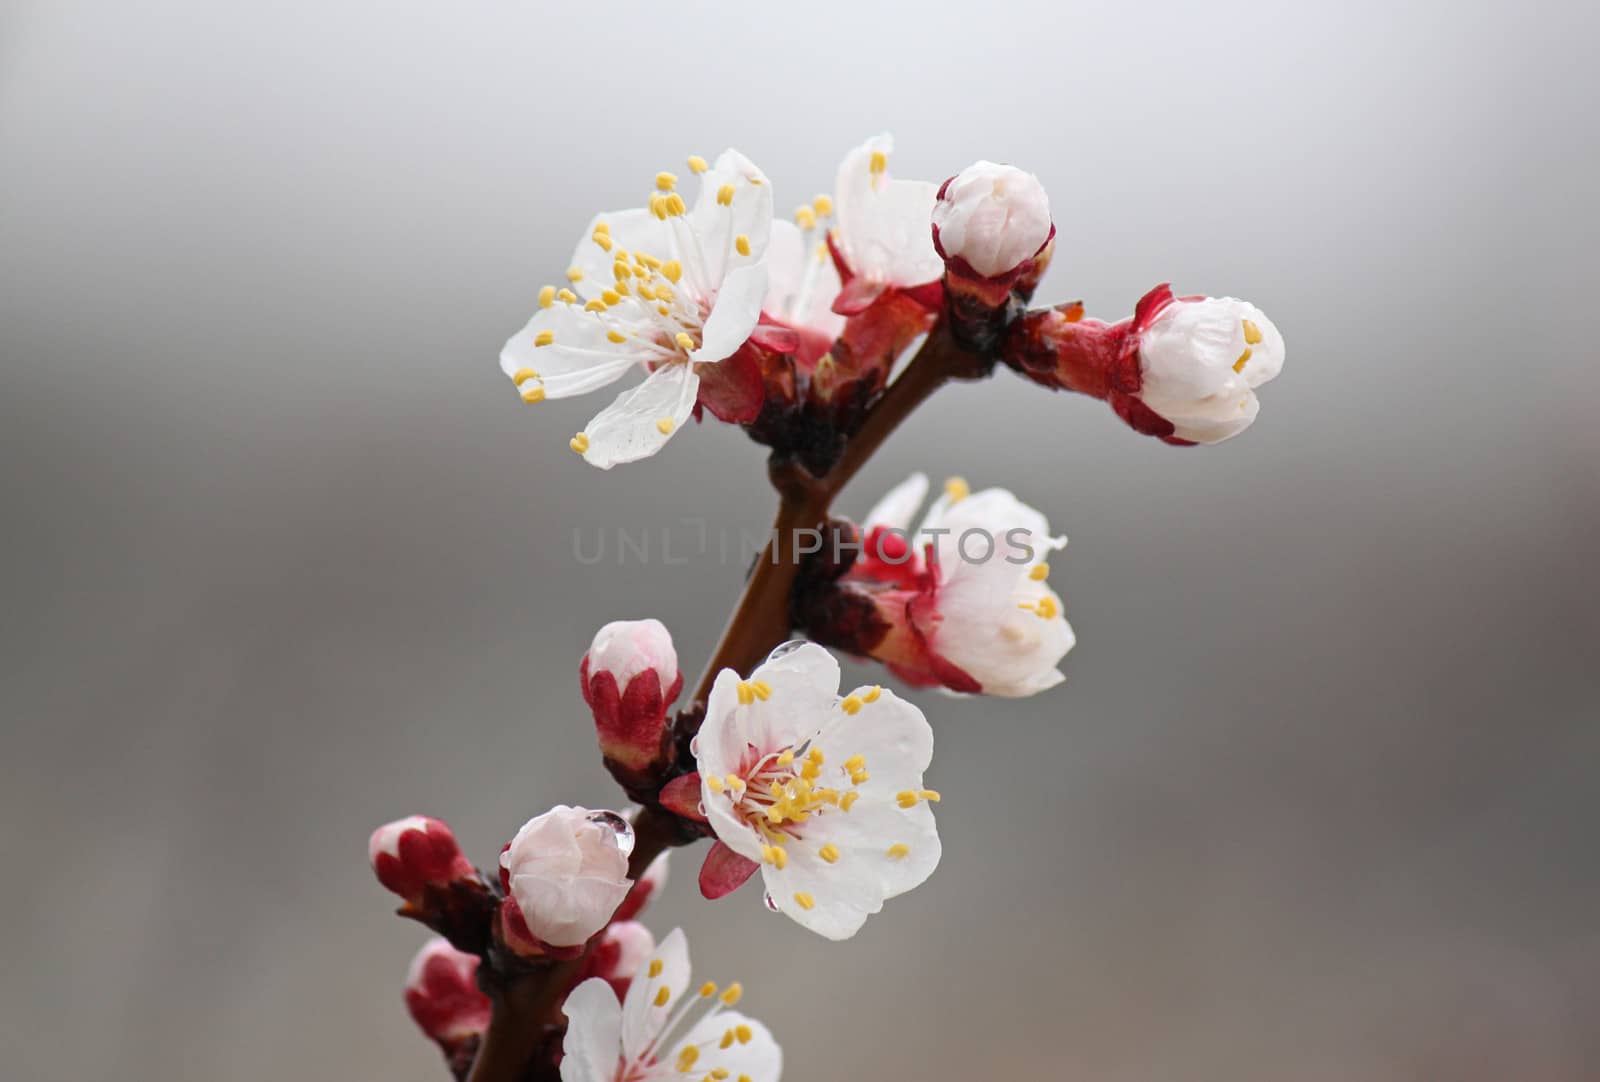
<point>728,1038</point>
<point>662,996</point>
<point>533,394</point>
<point>899,851</point>
<point>1040,572</point>
<point>732,994</point>
<point>742,244</point>
<point>575,274</point>
<point>708,989</point>
<point>736,783</point>
<point>823,205</point>
<point>685,343</point>
<point>957,489</point>
<point>656,966</point>
<point>847,800</point>
<point>547,296</point>
<point>872,694</point>
<point>665,426</point>
<point>930,795</point>
<point>676,205</point>
<point>879,162</point>
<point>829,853</point>
<point>851,704</point>
<point>666,181</point>
<point>687,1057</point>
<point>619,271</point>
<point>566,296</point>
<point>906,798</point>
<point>805,217</point>
<point>1047,609</point>
<point>579,443</point>
<point>747,694</point>
<point>804,900</point>
<point>743,1032</point>
<point>672,270</point>
<point>611,297</point>
<point>697,164</point>
<point>603,240</point>
<point>713,783</point>
<point>523,374</point>
<point>780,858</point>
<point>603,227</point>
<point>725,195</point>
<point>785,757</point>
<point>855,762</point>
<point>544,338</point>
<point>1252,333</point>
<point>1238,366</point>
<point>596,305</point>
<point>815,755</point>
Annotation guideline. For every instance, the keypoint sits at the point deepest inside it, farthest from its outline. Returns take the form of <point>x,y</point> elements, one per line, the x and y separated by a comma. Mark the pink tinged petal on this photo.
<point>594,1033</point>
<point>801,287</point>
<point>857,295</point>
<point>724,872</point>
<point>899,238</point>
<point>735,313</point>
<point>899,506</point>
<point>749,214</point>
<point>642,1019</point>
<point>641,421</point>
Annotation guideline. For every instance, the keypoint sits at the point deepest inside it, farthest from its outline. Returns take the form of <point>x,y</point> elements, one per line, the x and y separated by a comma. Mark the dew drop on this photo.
<point>786,649</point>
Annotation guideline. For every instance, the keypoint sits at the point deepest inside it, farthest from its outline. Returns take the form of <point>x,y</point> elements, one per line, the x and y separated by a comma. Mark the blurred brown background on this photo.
<point>285,557</point>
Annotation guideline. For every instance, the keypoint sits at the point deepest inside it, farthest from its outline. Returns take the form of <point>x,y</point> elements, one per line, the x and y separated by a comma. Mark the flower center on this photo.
<point>691,1059</point>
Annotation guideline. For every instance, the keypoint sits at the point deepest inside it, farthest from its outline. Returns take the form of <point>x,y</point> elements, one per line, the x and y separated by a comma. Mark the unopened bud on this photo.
<point>443,997</point>
<point>994,218</point>
<point>630,676</point>
<point>412,854</point>
<point>1200,362</point>
<point>567,871</point>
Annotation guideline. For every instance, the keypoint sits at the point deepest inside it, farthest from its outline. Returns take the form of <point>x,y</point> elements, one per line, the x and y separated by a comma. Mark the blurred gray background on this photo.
<point>285,557</point>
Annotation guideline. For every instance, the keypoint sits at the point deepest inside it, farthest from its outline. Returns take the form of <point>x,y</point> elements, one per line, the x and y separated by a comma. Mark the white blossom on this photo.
<point>1201,362</point>
<point>996,217</point>
<point>569,871</point>
<point>883,226</point>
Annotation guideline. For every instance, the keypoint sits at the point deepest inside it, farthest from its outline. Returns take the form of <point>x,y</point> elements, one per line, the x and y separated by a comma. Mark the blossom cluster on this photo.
<point>790,328</point>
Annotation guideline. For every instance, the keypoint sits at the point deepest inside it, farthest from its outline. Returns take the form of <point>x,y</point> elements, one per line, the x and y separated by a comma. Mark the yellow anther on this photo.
<point>762,689</point>
<point>687,1057</point>
<point>1238,366</point>
<point>815,755</point>
<point>575,274</point>
<point>805,217</point>
<point>656,966</point>
<point>957,489</point>
<point>810,771</point>
<point>821,252</point>
<point>899,851</point>
<point>879,162</point>
<point>672,270</point>
<point>1252,333</point>
<point>1047,608</point>
<point>676,205</point>
<point>829,853</point>
<point>666,181</point>
<point>1040,572</point>
<point>522,374</point>
<point>871,694</point>
<point>718,1073</point>
<point>611,296</point>
<point>596,305</point>
<point>622,287</point>
<point>769,854</point>
<point>804,900</point>
<point>647,259</point>
<point>725,195</point>
<point>747,695</point>
<point>855,763</point>
<point>533,394</point>
<point>663,309</point>
<point>906,798</point>
<point>658,205</point>
<point>713,783</point>
<point>619,271</point>
<point>823,205</point>
<point>859,777</point>
<point>744,1033</point>
<point>665,426</point>
<point>544,338</point>
<point>566,296</point>
<point>579,443</point>
<point>930,795</point>
<point>847,800</point>
<point>603,240</point>
<point>735,782</point>
<point>732,994</point>
<point>685,343</point>
<point>851,704</point>
<point>780,858</point>
<point>741,244</point>
<point>728,1037</point>
<point>786,756</point>
<point>708,989</point>
<point>602,227</point>
<point>547,296</point>
<point>697,164</point>
<point>662,996</point>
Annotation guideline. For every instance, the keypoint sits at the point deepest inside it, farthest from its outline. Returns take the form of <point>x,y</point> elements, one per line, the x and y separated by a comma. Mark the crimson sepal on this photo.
<point>724,871</point>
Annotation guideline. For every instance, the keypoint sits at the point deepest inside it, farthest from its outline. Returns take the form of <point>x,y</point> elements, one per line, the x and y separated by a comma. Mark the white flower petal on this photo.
<point>984,629</point>
<point>594,1027</point>
<point>899,506</point>
<point>853,188</point>
<point>735,313</point>
<point>801,282</point>
<point>579,359</point>
<point>759,1059</point>
<point>642,1020</point>
<point>900,234</point>
<point>748,214</point>
<point>640,421</point>
<point>631,231</point>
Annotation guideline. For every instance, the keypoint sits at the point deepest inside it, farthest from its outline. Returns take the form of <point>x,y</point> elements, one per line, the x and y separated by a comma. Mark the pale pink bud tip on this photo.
<point>411,854</point>
<point>630,676</point>
<point>442,994</point>
<point>995,218</point>
<point>567,872</point>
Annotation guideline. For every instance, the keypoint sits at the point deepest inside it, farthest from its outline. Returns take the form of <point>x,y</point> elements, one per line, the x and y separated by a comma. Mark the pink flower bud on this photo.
<point>617,954</point>
<point>992,218</point>
<point>567,872</point>
<point>630,676</point>
<point>443,997</point>
<point>412,854</point>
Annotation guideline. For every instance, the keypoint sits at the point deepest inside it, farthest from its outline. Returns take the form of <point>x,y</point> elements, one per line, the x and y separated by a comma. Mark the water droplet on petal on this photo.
<point>694,746</point>
<point>772,905</point>
<point>786,649</point>
<point>620,827</point>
